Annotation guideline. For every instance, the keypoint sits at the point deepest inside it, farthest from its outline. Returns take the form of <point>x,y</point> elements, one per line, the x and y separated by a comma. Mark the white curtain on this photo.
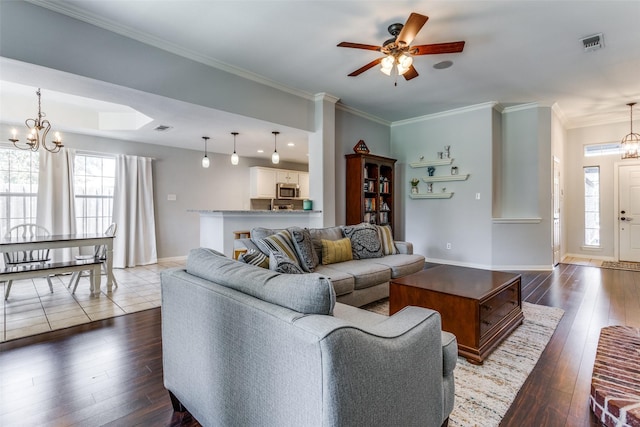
<point>133,212</point>
<point>56,197</point>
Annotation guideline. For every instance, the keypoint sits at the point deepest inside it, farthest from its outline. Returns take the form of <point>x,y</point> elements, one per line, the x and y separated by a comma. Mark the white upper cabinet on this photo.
<point>263,183</point>
<point>303,181</point>
<point>289,177</point>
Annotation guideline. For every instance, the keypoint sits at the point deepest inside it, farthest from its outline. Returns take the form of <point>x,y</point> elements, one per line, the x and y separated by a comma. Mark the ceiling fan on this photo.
<point>398,50</point>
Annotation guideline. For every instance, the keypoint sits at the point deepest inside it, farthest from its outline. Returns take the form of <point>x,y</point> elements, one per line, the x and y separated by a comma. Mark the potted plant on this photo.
<point>414,185</point>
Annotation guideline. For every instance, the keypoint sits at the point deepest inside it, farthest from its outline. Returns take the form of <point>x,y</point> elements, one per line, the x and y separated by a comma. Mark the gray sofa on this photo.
<point>356,282</point>
<point>247,346</point>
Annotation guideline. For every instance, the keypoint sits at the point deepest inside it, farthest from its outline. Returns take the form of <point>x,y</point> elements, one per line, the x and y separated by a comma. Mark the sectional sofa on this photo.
<point>358,280</point>
<point>249,346</point>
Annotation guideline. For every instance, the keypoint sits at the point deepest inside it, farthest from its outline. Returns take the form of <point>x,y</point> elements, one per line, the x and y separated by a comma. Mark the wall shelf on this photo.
<point>445,178</point>
<point>439,162</point>
<point>431,196</point>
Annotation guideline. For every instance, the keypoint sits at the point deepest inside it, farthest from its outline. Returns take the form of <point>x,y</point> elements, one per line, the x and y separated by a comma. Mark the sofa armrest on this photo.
<point>404,247</point>
<point>449,353</point>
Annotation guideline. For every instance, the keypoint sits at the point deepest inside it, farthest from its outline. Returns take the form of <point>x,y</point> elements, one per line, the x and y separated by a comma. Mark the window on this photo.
<point>94,181</point>
<point>592,206</point>
<point>602,149</point>
<point>18,187</point>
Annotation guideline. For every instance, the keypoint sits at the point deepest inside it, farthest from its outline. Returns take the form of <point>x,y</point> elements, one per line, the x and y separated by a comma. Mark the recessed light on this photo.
<point>442,65</point>
<point>291,144</point>
<point>260,151</point>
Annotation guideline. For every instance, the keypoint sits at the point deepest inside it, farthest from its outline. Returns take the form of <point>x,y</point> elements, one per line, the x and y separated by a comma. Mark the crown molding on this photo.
<point>323,96</point>
<point>362,114</point>
<point>453,112</point>
<point>165,45</point>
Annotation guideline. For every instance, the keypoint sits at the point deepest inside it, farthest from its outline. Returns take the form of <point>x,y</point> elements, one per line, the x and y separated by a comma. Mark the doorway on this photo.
<point>556,211</point>
<point>628,213</point>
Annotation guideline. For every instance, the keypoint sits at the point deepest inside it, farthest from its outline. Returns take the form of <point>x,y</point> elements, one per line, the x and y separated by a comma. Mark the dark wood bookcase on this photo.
<point>369,195</point>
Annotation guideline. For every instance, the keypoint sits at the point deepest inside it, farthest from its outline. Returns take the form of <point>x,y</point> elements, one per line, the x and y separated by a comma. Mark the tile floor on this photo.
<point>32,308</point>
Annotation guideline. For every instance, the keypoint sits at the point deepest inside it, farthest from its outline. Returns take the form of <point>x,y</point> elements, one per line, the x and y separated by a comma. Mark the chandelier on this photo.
<point>630,143</point>
<point>37,134</point>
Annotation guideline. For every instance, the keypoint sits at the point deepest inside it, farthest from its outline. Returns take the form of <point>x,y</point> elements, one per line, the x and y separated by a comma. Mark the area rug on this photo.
<point>622,265</point>
<point>485,393</point>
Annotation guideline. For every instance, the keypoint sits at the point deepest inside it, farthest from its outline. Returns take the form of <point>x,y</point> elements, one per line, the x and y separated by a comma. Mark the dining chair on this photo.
<point>100,253</point>
<point>25,257</point>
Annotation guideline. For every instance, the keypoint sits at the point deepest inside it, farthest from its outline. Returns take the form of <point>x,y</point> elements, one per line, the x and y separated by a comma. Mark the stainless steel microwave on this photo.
<point>287,191</point>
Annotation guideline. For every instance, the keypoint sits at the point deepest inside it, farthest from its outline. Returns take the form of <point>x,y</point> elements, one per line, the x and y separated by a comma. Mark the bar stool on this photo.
<point>240,234</point>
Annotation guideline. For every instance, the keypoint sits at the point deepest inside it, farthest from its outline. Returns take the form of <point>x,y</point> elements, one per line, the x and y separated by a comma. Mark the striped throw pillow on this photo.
<point>334,251</point>
<point>254,257</point>
<point>280,242</point>
<point>386,239</point>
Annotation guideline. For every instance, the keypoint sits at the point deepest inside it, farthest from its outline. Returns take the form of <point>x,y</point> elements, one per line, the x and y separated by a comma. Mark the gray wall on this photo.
<point>178,171</point>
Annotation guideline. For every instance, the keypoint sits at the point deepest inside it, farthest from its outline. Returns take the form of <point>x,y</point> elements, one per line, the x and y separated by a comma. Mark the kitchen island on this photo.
<point>217,227</point>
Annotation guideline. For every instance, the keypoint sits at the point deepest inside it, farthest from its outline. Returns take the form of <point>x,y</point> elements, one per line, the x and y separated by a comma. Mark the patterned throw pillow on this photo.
<point>279,242</point>
<point>282,264</point>
<point>304,248</point>
<point>365,242</point>
<point>254,257</point>
<point>334,251</point>
<point>386,240</point>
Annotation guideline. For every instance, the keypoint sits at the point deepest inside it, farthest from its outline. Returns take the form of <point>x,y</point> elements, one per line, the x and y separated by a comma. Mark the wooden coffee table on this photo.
<point>480,307</point>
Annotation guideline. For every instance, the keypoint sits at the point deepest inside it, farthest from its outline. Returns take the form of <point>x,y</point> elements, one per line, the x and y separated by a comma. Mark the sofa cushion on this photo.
<point>305,293</point>
<point>343,283</point>
<point>258,233</point>
<point>365,272</point>
<point>327,233</point>
<point>402,264</point>
<point>334,251</point>
<point>365,241</point>
<point>279,242</point>
<point>255,257</point>
<point>283,264</point>
<point>304,248</point>
<point>386,240</point>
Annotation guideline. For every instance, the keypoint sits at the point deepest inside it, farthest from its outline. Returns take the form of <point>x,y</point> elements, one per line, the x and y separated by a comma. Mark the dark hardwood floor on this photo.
<point>110,372</point>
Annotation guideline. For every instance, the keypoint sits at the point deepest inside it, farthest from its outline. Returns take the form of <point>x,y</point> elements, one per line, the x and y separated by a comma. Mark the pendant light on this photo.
<point>234,157</point>
<point>275,157</point>
<point>631,142</point>
<point>205,159</point>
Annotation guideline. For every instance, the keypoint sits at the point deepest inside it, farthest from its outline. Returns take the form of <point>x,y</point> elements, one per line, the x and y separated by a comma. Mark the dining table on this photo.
<point>56,241</point>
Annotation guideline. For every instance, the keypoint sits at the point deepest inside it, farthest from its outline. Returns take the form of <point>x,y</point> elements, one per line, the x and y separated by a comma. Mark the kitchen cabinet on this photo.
<point>303,181</point>
<point>262,183</point>
<point>290,177</point>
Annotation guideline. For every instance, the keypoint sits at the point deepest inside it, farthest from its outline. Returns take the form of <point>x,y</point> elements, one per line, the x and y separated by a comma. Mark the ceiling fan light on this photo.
<point>405,60</point>
<point>386,71</point>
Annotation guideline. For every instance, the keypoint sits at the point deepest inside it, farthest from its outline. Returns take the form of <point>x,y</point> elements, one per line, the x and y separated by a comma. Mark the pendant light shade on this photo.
<point>275,157</point>
<point>205,159</point>
<point>631,142</point>
<point>234,157</point>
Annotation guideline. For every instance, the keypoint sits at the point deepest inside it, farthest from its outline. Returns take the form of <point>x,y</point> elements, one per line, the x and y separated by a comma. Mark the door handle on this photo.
<point>623,218</point>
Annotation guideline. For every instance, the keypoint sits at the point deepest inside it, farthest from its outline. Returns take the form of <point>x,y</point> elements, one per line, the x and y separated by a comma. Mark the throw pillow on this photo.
<point>279,242</point>
<point>334,251</point>
<point>386,240</point>
<point>254,257</point>
<point>304,248</point>
<point>365,242</point>
<point>283,264</point>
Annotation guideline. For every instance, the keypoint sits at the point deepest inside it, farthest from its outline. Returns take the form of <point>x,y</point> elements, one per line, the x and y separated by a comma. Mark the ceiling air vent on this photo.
<point>593,42</point>
<point>162,128</point>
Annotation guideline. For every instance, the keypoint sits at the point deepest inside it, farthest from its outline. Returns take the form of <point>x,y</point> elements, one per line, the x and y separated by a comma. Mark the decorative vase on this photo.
<point>414,189</point>
<point>431,170</point>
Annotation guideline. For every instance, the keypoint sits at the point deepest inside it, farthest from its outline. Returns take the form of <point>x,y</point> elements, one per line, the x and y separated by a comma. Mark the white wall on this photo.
<point>574,190</point>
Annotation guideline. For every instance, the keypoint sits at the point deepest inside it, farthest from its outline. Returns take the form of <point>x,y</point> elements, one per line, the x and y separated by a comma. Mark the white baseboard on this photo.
<point>492,267</point>
<point>173,259</point>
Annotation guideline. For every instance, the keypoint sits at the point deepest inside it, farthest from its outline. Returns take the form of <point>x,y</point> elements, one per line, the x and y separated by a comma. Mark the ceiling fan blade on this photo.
<point>366,67</point>
<point>411,28</point>
<point>359,46</point>
<point>411,73</point>
<point>434,49</point>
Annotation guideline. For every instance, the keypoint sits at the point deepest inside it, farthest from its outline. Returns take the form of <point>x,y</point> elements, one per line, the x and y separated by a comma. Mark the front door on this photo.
<point>629,212</point>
